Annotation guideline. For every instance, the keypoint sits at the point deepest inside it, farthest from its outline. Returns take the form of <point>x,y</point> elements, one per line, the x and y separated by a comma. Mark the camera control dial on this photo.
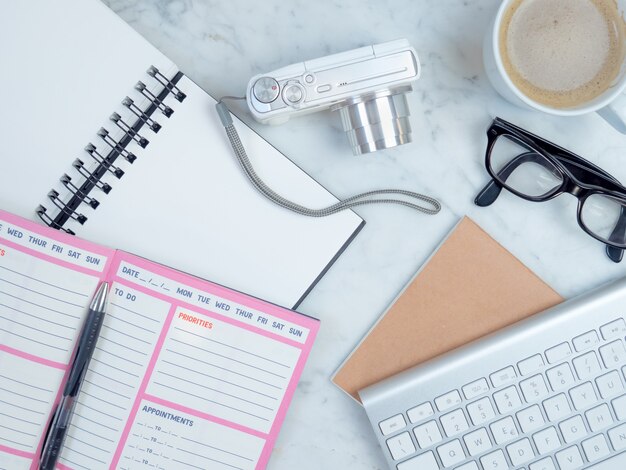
<point>293,93</point>
<point>266,89</point>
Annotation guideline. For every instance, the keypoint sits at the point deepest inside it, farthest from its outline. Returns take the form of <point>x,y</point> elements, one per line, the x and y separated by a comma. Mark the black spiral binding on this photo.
<point>108,153</point>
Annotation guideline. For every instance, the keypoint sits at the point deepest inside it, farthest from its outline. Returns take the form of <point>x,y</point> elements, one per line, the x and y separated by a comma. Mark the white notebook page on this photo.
<point>66,67</point>
<point>196,200</point>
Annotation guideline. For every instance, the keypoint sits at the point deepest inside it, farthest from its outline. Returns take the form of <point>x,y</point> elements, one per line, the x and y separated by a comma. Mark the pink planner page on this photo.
<point>47,279</point>
<point>186,373</point>
<point>218,370</point>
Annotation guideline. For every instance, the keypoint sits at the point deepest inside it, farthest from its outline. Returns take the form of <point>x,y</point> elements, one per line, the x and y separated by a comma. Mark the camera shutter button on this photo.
<point>293,93</point>
<point>266,89</point>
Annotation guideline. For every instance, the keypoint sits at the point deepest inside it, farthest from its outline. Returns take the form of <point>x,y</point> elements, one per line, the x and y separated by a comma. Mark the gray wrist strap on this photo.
<point>369,197</point>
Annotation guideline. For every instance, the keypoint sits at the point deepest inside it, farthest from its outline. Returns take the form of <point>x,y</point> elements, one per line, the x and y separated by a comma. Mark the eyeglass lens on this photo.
<point>523,170</point>
<point>605,216</point>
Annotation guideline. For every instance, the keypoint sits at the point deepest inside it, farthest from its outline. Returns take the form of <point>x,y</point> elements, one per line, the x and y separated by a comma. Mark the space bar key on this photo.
<point>618,461</point>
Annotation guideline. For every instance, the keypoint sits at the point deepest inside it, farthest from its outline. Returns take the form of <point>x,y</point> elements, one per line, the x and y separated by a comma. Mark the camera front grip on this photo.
<point>615,113</point>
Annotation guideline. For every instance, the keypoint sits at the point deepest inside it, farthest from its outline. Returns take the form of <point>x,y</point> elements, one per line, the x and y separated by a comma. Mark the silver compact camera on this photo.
<point>367,86</point>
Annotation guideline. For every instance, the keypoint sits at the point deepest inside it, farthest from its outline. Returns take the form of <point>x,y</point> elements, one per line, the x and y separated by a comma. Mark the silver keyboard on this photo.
<point>546,393</point>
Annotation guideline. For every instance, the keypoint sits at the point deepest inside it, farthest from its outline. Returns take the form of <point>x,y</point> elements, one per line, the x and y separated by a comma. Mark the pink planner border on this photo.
<point>215,289</point>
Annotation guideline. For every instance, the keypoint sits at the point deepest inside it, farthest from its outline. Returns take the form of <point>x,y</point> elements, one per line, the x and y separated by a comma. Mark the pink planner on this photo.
<point>186,373</point>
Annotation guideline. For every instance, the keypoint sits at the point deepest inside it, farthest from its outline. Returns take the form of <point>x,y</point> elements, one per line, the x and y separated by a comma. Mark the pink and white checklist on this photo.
<point>186,373</point>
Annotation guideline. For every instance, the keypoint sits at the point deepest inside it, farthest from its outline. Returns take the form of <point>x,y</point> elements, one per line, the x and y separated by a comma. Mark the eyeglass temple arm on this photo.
<point>488,194</point>
<point>619,233</point>
<point>492,190</point>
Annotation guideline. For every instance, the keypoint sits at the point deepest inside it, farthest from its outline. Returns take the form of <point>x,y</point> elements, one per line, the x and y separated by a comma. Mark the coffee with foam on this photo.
<point>562,53</point>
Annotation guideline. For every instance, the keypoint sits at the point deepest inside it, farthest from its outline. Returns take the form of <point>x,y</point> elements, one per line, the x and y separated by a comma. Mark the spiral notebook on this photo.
<point>105,137</point>
<point>185,374</point>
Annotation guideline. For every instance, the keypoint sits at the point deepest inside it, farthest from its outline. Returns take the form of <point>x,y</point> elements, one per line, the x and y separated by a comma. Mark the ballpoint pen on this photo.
<point>63,413</point>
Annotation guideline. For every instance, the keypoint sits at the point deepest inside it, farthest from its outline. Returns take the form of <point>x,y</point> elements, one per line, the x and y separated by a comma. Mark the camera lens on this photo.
<point>376,121</point>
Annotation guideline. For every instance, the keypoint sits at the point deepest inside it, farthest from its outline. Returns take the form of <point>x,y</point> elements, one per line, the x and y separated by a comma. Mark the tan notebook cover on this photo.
<point>470,287</point>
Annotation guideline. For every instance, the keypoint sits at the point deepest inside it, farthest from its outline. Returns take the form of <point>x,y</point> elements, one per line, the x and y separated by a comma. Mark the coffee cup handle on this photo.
<point>615,113</point>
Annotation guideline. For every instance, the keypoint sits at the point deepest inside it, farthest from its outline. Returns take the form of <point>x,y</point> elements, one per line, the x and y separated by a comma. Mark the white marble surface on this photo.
<point>220,44</point>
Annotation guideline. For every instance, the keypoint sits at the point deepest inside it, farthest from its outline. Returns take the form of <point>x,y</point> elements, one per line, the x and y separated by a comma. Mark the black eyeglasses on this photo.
<point>537,170</point>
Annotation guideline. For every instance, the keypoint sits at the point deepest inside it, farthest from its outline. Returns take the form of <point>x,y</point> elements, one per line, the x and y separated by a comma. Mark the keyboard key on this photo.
<point>454,423</point>
<point>543,464</point>
<point>609,385</point>
<point>569,458</point>
<point>587,365</point>
<point>520,452</point>
<point>504,430</point>
<point>558,353</point>
<point>473,389</point>
<point>503,376</point>
<point>613,329</point>
<point>451,453</point>
<point>534,388</point>
<point>586,341</point>
<point>530,365</point>
<point>448,400</point>
<point>507,400</point>
<point>556,407</point>
<point>547,440</point>
<point>615,462</point>
<point>617,436</point>
<point>420,412</point>
<point>400,446</point>
<point>573,429</point>
<point>596,448</point>
<point>599,417</point>
<point>427,434</point>
<point>560,377</point>
<point>425,461</point>
<point>530,418</point>
<point>494,461</point>
<point>583,396</point>
<point>477,442</point>
<point>468,466</point>
<point>613,354</point>
<point>619,405</point>
<point>391,425</point>
<point>481,411</point>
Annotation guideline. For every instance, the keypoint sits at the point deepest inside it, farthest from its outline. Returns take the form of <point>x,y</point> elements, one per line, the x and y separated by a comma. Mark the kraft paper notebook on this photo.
<point>470,287</point>
<point>186,373</point>
<point>143,160</point>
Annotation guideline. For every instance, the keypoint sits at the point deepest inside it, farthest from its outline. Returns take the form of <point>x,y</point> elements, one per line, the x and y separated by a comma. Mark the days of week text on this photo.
<point>44,245</point>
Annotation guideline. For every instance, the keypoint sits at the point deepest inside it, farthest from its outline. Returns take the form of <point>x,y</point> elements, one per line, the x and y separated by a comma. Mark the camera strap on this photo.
<point>379,196</point>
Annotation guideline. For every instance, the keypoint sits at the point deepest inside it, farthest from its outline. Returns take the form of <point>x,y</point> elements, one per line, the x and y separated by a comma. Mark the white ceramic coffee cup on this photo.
<point>611,104</point>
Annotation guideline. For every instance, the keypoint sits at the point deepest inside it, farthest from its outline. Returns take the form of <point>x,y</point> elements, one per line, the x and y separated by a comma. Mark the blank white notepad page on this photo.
<point>66,67</point>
